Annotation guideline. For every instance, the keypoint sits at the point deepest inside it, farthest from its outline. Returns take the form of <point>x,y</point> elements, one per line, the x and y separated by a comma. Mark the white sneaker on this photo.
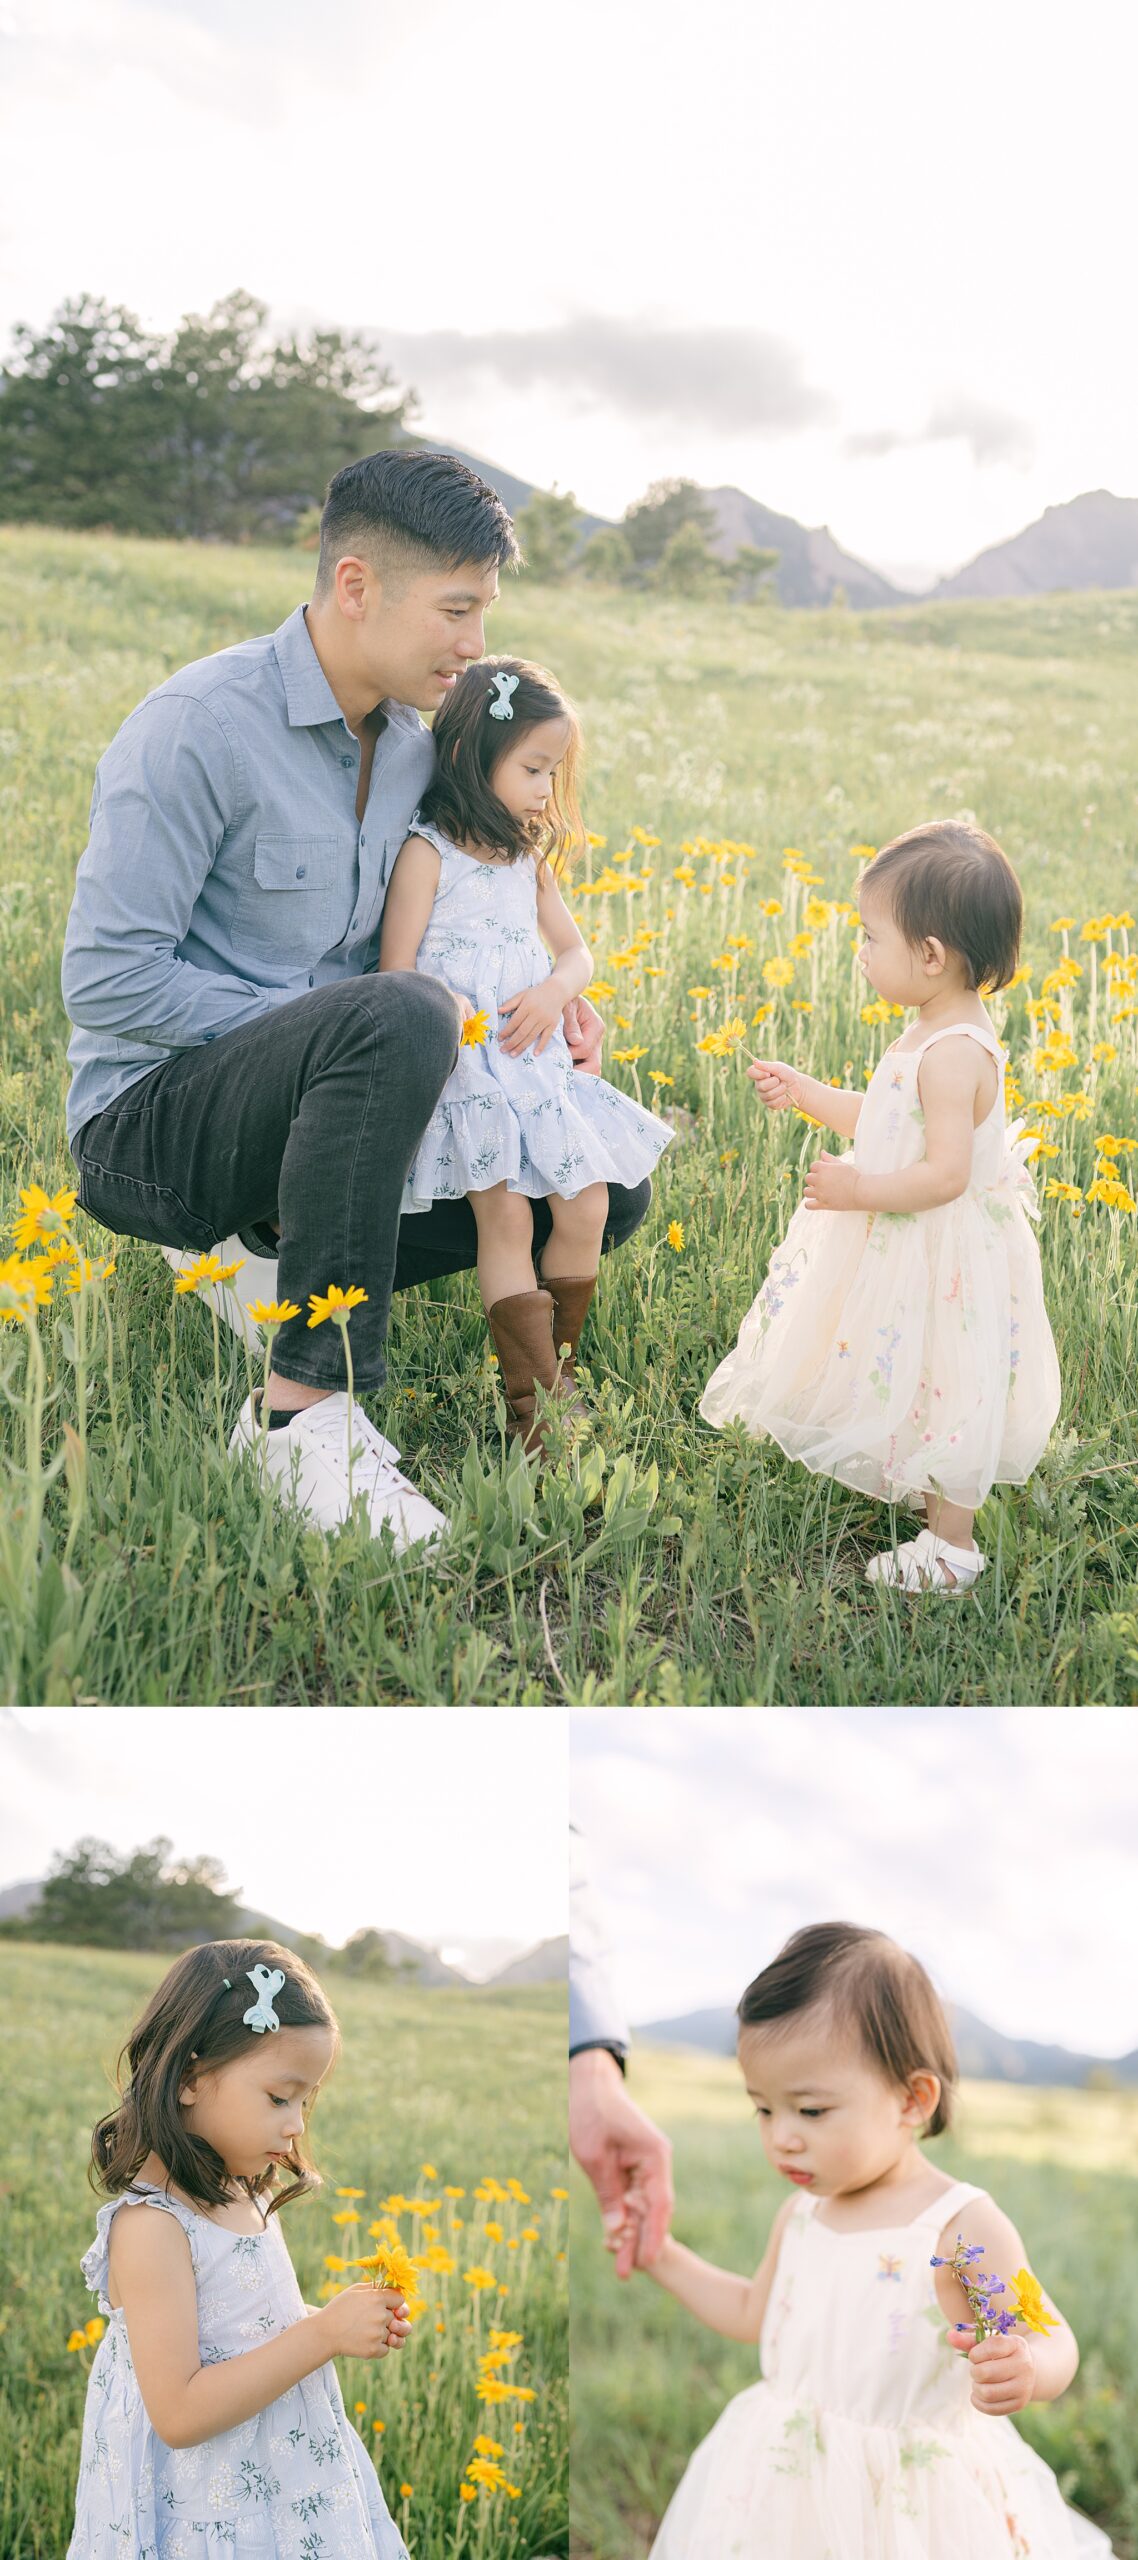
<point>257,1278</point>
<point>306,1462</point>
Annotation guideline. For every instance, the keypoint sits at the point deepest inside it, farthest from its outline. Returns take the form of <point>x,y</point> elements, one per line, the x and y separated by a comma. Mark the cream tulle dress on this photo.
<point>862,2443</point>
<point>898,1350</point>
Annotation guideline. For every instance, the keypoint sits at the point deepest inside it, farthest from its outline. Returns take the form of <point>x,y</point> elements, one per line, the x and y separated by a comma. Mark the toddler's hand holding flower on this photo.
<point>777,1085</point>
<point>1003,2370</point>
<point>831,1183</point>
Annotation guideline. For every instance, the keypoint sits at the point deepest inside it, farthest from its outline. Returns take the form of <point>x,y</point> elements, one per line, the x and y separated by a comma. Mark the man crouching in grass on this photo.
<point>240,1070</point>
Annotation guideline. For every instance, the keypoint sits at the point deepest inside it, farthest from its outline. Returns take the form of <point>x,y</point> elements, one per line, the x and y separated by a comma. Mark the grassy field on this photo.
<point>135,1568</point>
<point>648,2383</point>
<point>470,2083</point>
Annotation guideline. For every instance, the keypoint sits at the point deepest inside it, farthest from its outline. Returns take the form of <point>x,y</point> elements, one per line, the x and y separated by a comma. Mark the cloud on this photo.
<point>736,380</point>
<point>992,435</point>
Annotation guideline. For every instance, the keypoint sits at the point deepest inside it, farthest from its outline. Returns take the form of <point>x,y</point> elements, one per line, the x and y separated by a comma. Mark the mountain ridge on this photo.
<point>982,2051</point>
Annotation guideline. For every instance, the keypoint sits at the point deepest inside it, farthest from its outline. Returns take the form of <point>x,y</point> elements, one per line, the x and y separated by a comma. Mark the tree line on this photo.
<point>150,1898</point>
<point>219,431</point>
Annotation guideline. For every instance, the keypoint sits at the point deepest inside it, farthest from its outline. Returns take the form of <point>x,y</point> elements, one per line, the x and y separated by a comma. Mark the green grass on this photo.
<point>715,1572</point>
<point>648,2382</point>
<point>468,2081</point>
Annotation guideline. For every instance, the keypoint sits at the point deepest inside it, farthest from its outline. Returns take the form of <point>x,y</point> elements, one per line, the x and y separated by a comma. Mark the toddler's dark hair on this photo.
<point>953,881</point>
<point>470,742</point>
<point>193,2018</point>
<point>870,1986</point>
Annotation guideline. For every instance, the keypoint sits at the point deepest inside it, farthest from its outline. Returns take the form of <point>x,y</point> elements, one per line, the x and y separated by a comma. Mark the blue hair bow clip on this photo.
<point>505,687</point>
<point>266,1985</point>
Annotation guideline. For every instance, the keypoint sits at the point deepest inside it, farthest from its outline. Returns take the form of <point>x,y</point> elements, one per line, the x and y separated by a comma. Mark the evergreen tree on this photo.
<point>548,529</point>
<point>607,557</point>
<point>97,1897</point>
<point>651,522</point>
<point>217,431</point>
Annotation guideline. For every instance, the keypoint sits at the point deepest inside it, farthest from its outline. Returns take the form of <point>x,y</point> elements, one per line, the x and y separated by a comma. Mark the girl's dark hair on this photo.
<point>870,1986</point>
<point>427,504</point>
<point>469,743</point>
<point>196,2017</point>
<point>953,881</point>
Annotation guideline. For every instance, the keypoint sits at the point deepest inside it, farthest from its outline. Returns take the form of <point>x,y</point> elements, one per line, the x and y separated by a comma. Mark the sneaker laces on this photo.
<point>373,1459</point>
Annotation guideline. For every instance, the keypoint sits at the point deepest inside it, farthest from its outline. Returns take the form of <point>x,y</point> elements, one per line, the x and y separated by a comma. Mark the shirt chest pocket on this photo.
<point>296,903</point>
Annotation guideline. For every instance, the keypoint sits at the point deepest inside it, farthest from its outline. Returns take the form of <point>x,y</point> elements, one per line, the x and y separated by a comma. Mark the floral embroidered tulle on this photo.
<point>861,2441</point>
<point>904,1349</point>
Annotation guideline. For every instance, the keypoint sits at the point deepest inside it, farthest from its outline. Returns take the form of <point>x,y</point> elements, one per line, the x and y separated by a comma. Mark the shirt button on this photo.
<point>311,979</point>
<point>347,762</point>
<point>300,870</point>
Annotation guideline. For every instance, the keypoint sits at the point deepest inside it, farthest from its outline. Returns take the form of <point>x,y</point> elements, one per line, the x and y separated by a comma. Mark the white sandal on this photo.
<point>925,1563</point>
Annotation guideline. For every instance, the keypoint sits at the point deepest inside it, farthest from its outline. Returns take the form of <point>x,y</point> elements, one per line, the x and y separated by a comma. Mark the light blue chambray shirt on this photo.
<point>226,870</point>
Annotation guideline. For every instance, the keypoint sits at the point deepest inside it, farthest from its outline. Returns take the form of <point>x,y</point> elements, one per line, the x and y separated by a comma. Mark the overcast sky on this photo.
<point>872,265</point>
<point>447,1823</point>
<point>998,1846</point>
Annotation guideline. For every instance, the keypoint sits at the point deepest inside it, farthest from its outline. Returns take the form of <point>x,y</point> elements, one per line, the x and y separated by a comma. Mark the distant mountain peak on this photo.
<point>1089,541</point>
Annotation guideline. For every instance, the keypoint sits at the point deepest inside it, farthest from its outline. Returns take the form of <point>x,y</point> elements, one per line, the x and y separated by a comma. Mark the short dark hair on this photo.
<point>950,880</point>
<point>469,743</point>
<point>871,1986</point>
<point>427,505</point>
<point>196,2016</point>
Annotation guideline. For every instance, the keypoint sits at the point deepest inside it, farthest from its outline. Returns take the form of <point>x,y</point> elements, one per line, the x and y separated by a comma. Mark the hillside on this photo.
<point>1090,542</point>
<point>983,2053</point>
<point>548,1962</point>
<point>811,565</point>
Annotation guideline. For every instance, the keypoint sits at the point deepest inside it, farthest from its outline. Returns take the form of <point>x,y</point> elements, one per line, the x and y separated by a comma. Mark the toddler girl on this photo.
<point>900,1340</point>
<point>214,2417</point>
<point>881,2430</point>
<point>474,900</point>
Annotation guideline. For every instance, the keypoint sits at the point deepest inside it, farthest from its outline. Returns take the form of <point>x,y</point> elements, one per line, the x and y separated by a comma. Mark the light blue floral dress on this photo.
<point>533,1123</point>
<point>293,2483</point>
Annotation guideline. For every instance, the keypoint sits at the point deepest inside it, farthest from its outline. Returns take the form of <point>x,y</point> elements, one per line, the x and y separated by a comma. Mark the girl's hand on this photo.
<point>831,1183</point>
<point>778,1086</point>
<point>1003,2370</point>
<point>532,1015</point>
<point>367,2320</point>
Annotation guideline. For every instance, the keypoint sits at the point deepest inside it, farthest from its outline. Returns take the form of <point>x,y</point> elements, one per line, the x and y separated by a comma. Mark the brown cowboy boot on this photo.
<point>521,1329</point>
<point>572,1298</point>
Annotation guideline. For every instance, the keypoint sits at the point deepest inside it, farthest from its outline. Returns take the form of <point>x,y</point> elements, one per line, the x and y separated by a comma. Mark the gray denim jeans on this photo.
<point>308,1117</point>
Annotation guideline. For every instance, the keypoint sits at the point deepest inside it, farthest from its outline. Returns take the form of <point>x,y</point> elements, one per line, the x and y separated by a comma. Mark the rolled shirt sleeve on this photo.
<point>166,792</point>
<point>596,2011</point>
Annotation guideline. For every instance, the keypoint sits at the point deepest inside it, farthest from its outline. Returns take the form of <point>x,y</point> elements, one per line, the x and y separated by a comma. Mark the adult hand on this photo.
<point>1003,2370</point>
<point>625,2156</point>
<point>585,1033</point>
<point>831,1183</point>
<point>532,1016</point>
<point>777,1085</point>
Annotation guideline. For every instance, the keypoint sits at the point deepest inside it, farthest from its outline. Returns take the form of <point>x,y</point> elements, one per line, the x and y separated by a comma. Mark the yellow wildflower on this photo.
<point>676,1235</point>
<point>203,1273</point>
<point>82,1271</point>
<point>473,1033</point>
<point>1030,2306</point>
<point>628,1057</point>
<point>656,1075</point>
<point>479,2278</point>
<point>282,1311</point>
<point>778,973</point>
<point>335,1302</point>
<point>43,1214</point>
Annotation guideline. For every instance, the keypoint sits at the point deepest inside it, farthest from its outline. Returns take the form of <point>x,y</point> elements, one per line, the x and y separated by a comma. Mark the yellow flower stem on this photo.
<point>271,1332</point>
<point>213,1317</point>
<point>340,1318</point>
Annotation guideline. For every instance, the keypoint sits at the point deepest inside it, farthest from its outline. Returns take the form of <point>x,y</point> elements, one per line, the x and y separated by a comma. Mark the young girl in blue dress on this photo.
<point>214,2417</point>
<point>474,899</point>
<point>900,1340</point>
<point>881,2429</point>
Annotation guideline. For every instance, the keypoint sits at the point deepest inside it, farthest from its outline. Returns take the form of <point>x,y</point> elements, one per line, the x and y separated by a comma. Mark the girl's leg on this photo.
<point>950,1522</point>
<point>568,1268</point>
<point>504,1220</point>
<point>518,1312</point>
<point>574,1247</point>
